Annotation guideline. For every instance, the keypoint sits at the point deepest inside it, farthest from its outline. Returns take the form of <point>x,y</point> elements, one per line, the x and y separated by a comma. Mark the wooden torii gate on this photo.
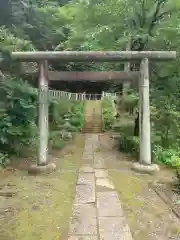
<point>89,56</point>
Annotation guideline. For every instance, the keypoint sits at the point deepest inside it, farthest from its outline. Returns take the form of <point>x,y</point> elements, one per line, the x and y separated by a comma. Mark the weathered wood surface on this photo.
<point>145,133</point>
<point>93,76</point>
<point>127,66</point>
<point>43,113</point>
<point>88,56</point>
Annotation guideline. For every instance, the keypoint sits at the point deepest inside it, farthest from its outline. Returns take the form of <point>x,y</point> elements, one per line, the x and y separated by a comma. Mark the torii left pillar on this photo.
<point>43,166</point>
<point>43,114</point>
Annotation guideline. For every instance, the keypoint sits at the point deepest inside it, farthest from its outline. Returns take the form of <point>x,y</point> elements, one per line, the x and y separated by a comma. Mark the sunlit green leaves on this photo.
<point>10,42</point>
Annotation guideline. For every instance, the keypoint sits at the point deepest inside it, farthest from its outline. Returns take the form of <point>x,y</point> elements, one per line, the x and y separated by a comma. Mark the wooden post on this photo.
<point>140,116</point>
<point>43,113</point>
<point>145,138</point>
<point>127,66</point>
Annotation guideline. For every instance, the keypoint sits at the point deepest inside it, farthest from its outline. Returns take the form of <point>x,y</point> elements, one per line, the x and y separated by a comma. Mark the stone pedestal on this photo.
<point>42,169</point>
<point>149,169</point>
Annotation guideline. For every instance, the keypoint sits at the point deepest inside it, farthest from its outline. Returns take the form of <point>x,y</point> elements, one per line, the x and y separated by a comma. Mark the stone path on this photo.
<point>97,212</point>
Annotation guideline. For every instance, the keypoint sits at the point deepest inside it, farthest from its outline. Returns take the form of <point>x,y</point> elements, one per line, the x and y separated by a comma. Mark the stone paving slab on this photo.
<point>88,155</point>
<point>98,165</point>
<point>82,210</point>
<point>98,161</point>
<point>107,206</point>
<point>101,173</point>
<point>83,226</point>
<point>108,197</point>
<point>114,228</point>
<point>86,178</point>
<point>85,194</point>
<point>83,237</point>
<point>86,169</point>
<point>104,182</point>
<point>115,236</point>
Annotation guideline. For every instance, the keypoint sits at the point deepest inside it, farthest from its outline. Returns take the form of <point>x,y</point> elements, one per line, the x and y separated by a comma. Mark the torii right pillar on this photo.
<point>145,132</point>
<point>145,165</point>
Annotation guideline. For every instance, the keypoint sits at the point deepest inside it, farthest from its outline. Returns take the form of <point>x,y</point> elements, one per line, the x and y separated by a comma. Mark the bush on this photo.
<point>60,108</point>
<point>4,159</point>
<point>166,124</point>
<point>178,179</point>
<point>55,140</point>
<point>128,102</point>
<point>77,114</point>
<point>17,122</point>
<point>108,114</point>
<point>58,144</point>
<point>169,157</point>
<point>129,144</point>
<point>75,122</point>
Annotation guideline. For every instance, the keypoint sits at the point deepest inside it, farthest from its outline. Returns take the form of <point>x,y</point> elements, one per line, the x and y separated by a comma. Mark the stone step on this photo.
<point>91,128</point>
<point>92,131</point>
<point>100,126</point>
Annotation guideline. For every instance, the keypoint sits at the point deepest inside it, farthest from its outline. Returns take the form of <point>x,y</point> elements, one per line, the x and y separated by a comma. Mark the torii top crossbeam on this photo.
<point>88,56</point>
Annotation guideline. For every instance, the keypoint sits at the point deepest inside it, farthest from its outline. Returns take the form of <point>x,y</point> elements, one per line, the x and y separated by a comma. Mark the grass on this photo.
<point>143,209</point>
<point>43,205</point>
<point>149,218</point>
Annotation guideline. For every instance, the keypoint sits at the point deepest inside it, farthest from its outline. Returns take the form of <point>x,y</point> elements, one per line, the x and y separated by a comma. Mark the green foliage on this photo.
<point>169,157</point>
<point>62,107</point>
<point>58,144</point>
<point>48,27</point>
<point>128,103</point>
<point>18,113</point>
<point>4,159</point>
<point>129,144</point>
<point>178,178</point>
<point>108,114</point>
<point>9,42</point>
<point>74,122</point>
<point>77,116</point>
<point>56,141</point>
<point>165,120</point>
<point>110,25</point>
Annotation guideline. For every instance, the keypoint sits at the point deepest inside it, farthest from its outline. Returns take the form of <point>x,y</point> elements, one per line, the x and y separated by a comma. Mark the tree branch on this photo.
<point>143,13</point>
<point>155,17</point>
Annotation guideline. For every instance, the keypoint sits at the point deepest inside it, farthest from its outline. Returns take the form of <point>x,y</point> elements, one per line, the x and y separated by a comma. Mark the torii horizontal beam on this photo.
<point>93,76</point>
<point>89,56</point>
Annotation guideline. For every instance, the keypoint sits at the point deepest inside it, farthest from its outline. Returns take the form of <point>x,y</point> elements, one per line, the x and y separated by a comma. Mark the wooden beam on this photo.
<point>89,56</point>
<point>93,76</point>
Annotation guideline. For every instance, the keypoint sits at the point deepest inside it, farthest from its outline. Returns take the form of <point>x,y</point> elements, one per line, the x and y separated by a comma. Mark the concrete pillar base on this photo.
<point>42,169</point>
<point>149,169</point>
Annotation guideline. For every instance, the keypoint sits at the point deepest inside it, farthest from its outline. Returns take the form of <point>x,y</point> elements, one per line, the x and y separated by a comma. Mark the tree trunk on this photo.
<point>136,126</point>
